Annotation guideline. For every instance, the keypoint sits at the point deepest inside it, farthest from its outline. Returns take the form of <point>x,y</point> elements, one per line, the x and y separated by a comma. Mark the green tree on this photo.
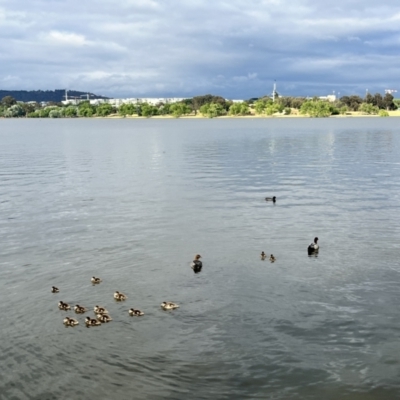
<point>179,109</point>
<point>71,111</point>
<point>260,106</point>
<point>212,110</point>
<point>14,111</point>
<point>55,113</point>
<point>383,113</point>
<point>388,103</point>
<point>367,108</point>
<point>316,108</point>
<point>127,109</point>
<point>8,101</point>
<point>199,101</point>
<point>85,109</point>
<point>105,109</point>
<point>147,110</point>
<point>239,109</point>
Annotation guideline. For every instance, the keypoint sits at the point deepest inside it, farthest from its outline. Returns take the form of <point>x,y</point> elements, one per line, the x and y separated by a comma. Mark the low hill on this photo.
<point>46,95</point>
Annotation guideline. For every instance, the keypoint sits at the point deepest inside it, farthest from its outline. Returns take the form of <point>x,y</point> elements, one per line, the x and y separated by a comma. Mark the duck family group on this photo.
<point>101,314</point>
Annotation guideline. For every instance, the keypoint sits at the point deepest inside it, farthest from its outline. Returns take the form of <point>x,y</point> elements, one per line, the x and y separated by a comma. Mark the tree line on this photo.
<point>207,105</point>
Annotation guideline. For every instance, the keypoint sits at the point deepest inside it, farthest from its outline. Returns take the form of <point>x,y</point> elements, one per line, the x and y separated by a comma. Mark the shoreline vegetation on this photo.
<point>209,106</point>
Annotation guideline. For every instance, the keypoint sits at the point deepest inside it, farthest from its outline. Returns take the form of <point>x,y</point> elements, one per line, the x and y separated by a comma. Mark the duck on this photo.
<point>272,258</point>
<point>103,318</point>
<point>119,296</point>
<point>196,264</point>
<point>136,313</point>
<point>169,305</point>
<point>80,309</point>
<point>95,280</point>
<point>273,199</point>
<point>92,322</point>
<point>263,256</point>
<point>70,321</point>
<point>313,247</point>
<point>55,289</point>
<point>63,306</point>
<point>100,310</point>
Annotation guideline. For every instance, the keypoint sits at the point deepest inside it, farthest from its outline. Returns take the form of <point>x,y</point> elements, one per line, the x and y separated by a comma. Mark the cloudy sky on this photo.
<point>182,48</point>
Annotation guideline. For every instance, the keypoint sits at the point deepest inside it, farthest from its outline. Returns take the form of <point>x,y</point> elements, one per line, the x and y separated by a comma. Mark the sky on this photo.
<point>183,48</point>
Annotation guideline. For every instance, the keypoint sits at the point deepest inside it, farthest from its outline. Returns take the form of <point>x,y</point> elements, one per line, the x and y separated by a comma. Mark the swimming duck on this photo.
<point>196,264</point>
<point>55,289</point>
<point>273,199</point>
<point>263,256</point>
<point>92,322</point>
<point>70,321</point>
<point>95,280</point>
<point>100,310</point>
<point>103,318</point>
<point>169,305</point>
<point>119,296</point>
<point>313,247</point>
<point>63,306</point>
<point>79,309</point>
<point>136,313</point>
<point>272,258</point>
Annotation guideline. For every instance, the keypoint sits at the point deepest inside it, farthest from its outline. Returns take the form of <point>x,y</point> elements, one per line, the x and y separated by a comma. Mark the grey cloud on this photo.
<point>184,48</point>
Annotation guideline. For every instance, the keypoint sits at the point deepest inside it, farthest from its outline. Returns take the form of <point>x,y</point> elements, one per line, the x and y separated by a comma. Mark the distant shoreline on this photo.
<point>354,114</point>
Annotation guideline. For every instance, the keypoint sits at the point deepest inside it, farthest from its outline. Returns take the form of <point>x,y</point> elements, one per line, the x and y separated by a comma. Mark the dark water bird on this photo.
<point>55,289</point>
<point>169,305</point>
<point>313,247</point>
<point>135,313</point>
<point>263,256</point>
<point>70,321</point>
<point>273,199</point>
<point>95,280</point>
<point>80,309</point>
<point>272,258</point>
<point>196,264</point>
<point>92,322</point>
<point>64,306</point>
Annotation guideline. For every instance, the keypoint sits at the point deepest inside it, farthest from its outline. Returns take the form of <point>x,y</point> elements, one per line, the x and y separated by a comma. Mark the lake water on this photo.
<point>132,201</point>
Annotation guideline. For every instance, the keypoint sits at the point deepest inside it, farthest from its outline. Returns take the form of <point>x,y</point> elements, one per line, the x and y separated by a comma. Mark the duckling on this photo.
<point>169,305</point>
<point>92,322</point>
<point>103,318</point>
<point>95,280</point>
<point>196,264</point>
<point>119,296</point>
<point>63,306</point>
<point>79,309</point>
<point>263,256</point>
<point>70,321</point>
<point>100,310</point>
<point>273,199</point>
<point>136,313</point>
<point>313,247</point>
<point>55,289</point>
<point>272,258</point>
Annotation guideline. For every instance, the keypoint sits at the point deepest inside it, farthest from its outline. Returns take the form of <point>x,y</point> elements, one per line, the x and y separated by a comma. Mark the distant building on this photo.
<point>330,97</point>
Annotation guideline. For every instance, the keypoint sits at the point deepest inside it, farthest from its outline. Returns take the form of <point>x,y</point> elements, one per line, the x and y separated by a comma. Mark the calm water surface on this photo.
<point>133,201</point>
